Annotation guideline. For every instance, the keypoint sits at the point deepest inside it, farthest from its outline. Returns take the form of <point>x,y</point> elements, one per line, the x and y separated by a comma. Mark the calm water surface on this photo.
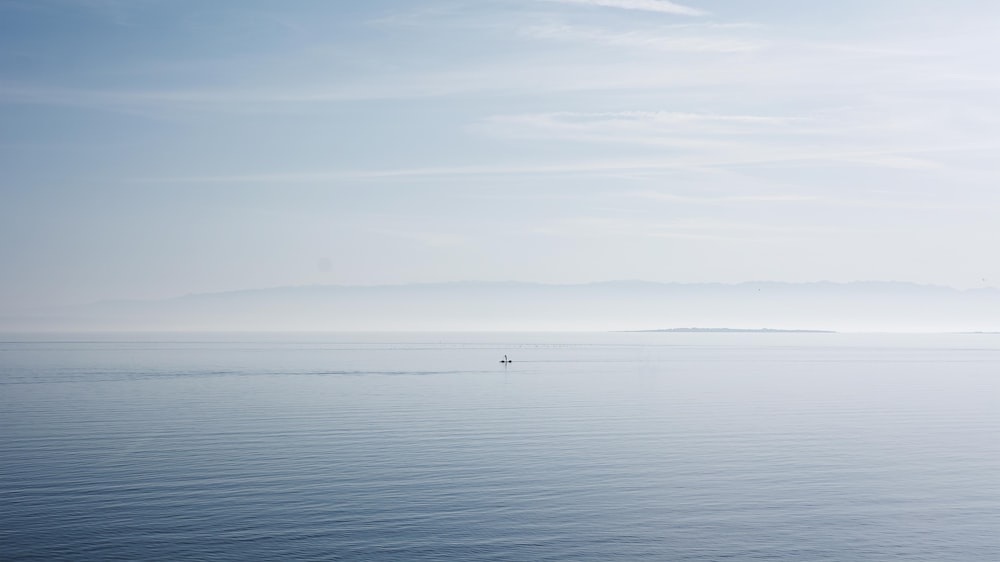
<point>423,447</point>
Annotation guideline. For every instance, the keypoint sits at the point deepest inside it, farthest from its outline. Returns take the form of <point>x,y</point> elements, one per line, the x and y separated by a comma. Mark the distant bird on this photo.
<point>505,360</point>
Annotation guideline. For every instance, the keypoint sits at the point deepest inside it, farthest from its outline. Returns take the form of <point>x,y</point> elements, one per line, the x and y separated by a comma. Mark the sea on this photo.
<point>424,446</point>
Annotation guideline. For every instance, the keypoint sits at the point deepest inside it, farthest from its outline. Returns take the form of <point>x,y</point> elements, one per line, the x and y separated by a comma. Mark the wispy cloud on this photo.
<point>856,138</point>
<point>642,118</point>
<point>570,167</point>
<point>230,99</point>
<point>547,75</point>
<point>660,128</point>
<point>661,6</point>
<point>869,200</point>
<point>589,167</point>
<point>668,40</point>
<point>722,199</point>
<point>689,228</point>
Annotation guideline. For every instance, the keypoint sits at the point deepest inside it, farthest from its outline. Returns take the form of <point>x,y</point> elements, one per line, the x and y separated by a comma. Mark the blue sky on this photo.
<point>156,148</point>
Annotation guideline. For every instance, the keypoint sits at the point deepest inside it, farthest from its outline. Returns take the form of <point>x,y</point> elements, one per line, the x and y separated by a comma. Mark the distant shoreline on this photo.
<point>734,330</point>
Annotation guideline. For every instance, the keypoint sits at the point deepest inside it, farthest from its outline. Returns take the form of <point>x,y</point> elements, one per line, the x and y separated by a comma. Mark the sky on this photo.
<point>155,148</point>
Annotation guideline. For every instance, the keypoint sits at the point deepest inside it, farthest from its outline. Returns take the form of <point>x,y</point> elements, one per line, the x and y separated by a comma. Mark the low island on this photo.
<point>736,331</point>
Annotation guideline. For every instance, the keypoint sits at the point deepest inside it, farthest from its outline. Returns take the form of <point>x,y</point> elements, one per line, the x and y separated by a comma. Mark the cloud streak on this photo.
<point>677,43</point>
<point>691,229</point>
<point>570,167</point>
<point>660,6</point>
<point>643,123</point>
<point>722,200</point>
<point>675,130</point>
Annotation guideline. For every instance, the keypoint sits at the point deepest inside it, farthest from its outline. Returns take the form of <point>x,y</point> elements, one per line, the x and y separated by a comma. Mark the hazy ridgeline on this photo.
<point>890,307</point>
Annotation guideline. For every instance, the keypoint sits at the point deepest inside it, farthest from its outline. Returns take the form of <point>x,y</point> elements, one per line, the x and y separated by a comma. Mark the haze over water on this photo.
<point>423,447</point>
<point>499,165</point>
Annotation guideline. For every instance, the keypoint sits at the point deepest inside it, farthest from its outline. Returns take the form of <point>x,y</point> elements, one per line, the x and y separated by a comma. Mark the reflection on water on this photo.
<point>425,447</point>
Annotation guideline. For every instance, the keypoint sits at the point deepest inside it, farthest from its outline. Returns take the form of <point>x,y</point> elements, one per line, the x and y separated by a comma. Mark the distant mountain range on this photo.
<point>613,306</point>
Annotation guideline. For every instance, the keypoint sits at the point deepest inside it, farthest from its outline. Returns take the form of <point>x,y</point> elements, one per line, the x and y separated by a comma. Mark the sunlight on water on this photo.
<point>425,447</point>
